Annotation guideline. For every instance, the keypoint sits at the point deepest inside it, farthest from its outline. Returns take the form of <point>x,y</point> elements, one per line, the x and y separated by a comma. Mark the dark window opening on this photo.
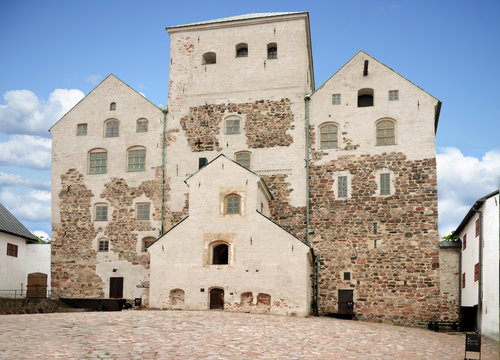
<point>116,287</point>
<point>112,106</point>
<point>11,250</point>
<point>220,254</point>
<point>347,275</point>
<point>272,51</point>
<point>242,50</point>
<point>365,97</point>
<point>202,162</point>
<point>208,58</point>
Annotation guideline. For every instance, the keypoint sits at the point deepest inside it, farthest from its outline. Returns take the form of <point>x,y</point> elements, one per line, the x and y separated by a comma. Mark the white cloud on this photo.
<point>41,234</point>
<point>17,180</point>
<point>26,151</point>
<point>93,79</point>
<point>461,181</point>
<point>24,113</point>
<point>33,205</point>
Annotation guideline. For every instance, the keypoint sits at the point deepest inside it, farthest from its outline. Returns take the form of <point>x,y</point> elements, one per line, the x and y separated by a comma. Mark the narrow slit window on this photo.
<point>342,186</point>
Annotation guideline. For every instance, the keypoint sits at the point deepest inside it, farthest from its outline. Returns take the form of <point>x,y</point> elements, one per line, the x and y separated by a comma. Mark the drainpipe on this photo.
<point>164,109</point>
<point>307,98</point>
<point>480,280</point>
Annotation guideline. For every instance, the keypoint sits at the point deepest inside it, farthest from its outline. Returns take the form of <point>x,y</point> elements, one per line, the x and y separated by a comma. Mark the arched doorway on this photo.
<point>217,299</point>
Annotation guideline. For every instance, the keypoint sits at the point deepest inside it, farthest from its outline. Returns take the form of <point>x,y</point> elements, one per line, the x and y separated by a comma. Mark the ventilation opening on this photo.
<point>365,97</point>
<point>208,58</point>
<point>220,254</point>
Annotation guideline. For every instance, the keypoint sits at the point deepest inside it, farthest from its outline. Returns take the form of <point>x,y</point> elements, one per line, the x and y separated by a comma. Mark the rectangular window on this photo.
<point>393,95</point>
<point>101,213</point>
<point>342,182</point>
<point>347,275</point>
<point>81,129</point>
<point>142,211</point>
<point>463,280</point>
<point>476,272</point>
<point>477,227</point>
<point>232,127</point>
<point>98,162</point>
<point>103,245</point>
<point>142,125</point>
<point>464,242</point>
<point>11,250</point>
<point>136,160</point>
<point>385,184</point>
<point>336,99</point>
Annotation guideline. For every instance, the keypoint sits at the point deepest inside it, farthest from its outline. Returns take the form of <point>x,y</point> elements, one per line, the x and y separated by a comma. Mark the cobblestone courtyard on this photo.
<point>218,335</point>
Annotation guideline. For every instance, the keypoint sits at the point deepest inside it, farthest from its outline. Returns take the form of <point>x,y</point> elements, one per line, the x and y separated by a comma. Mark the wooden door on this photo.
<point>217,299</point>
<point>116,287</point>
<point>346,304</point>
<point>37,285</point>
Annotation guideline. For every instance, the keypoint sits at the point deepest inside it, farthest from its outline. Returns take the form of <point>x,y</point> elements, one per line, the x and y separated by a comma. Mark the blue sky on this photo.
<point>449,48</point>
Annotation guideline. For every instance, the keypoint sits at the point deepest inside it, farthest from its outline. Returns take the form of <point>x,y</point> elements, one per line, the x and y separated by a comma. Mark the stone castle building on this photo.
<point>257,191</point>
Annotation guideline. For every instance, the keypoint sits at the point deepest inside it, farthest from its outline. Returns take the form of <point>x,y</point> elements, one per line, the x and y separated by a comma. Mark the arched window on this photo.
<point>103,245</point>
<point>136,158</point>
<point>386,132</point>
<point>365,97</point>
<point>142,125</point>
<point>208,58</point>
<point>146,242</point>
<point>98,161</point>
<point>243,158</point>
<point>112,106</point>
<point>329,136</point>
<point>272,51</point>
<point>220,254</point>
<point>242,50</point>
<point>232,204</point>
<point>111,128</point>
<point>233,125</point>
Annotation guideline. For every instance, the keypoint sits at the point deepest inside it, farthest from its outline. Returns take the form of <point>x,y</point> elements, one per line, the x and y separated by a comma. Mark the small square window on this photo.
<point>11,250</point>
<point>103,245</point>
<point>342,186</point>
<point>385,184</point>
<point>393,95</point>
<point>81,130</point>
<point>336,99</point>
<point>142,212</point>
<point>232,126</point>
<point>347,275</point>
<point>101,213</point>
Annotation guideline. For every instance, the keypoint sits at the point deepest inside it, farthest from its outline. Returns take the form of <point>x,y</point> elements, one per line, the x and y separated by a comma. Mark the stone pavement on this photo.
<point>218,335</point>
